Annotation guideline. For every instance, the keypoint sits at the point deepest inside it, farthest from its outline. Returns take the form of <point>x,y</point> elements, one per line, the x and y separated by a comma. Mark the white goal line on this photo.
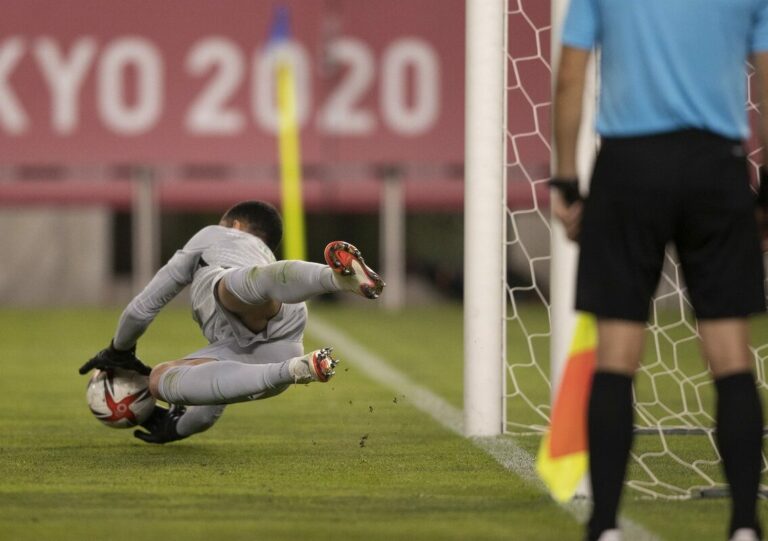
<point>502,448</point>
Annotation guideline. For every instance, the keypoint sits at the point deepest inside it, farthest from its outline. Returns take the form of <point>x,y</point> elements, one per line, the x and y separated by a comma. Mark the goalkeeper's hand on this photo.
<point>161,425</point>
<point>114,358</point>
<point>567,204</point>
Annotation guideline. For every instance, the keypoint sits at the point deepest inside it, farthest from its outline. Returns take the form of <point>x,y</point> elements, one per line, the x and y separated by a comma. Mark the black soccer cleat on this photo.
<point>161,425</point>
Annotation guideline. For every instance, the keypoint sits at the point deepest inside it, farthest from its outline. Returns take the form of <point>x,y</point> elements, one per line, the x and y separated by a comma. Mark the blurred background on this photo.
<point>127,126</point>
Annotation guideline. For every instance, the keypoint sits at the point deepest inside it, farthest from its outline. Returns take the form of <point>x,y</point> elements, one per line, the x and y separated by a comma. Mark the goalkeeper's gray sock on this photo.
<point>223,382</point>
<point>198,419</point>
<point>285,281</point>
<point>739,438</point>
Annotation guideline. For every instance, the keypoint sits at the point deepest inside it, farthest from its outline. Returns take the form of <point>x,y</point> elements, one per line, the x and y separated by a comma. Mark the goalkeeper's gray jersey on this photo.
<point>203,260</point>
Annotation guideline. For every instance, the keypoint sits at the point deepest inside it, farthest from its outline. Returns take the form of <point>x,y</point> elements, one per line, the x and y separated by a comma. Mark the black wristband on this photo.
<point>568,188</point>
<point>762,188</point>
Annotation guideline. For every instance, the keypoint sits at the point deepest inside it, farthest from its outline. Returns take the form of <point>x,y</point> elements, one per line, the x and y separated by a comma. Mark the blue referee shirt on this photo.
<point>670,64</point>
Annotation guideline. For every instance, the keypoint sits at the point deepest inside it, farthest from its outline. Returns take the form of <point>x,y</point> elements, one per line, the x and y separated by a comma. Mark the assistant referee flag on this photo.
<point>564,455</point>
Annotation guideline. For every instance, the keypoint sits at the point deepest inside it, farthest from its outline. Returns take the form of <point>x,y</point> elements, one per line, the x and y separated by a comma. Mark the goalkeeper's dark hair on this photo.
<point>260,218</point>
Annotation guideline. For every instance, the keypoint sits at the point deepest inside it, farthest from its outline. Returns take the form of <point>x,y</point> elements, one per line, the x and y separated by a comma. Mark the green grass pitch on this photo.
<point>347,460</point>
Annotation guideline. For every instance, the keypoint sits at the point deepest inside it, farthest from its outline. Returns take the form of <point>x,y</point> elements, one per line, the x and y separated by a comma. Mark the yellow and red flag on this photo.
<point>563,457</point>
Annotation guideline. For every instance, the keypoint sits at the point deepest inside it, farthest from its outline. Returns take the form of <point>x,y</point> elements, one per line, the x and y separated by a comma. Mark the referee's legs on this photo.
<point>610,417</point>
<point>739,415</point>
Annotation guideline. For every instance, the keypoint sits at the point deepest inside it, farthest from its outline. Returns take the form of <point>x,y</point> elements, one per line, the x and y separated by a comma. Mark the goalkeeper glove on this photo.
<point>568,188</point>
<point>114,358</point>
<point>161,425</point>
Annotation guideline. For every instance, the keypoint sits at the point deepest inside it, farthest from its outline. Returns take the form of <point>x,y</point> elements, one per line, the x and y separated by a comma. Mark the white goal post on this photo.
<point>484,211</point>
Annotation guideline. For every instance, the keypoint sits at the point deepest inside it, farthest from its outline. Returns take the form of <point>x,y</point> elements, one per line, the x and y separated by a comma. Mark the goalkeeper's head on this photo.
<point>257,218</point>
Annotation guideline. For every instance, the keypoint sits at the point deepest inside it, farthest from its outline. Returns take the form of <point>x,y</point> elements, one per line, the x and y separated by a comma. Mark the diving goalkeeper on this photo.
<point>251,310</point>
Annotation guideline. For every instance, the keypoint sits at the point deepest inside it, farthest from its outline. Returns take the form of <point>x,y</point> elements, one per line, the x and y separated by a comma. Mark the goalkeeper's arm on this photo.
<point>141,311</point>
<point>145,306</point>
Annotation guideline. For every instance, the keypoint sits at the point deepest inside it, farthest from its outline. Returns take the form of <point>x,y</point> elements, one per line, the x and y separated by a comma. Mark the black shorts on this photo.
<point>690,188</point>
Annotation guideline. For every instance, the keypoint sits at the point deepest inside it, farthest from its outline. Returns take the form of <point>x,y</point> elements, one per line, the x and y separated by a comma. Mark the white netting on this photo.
<point>674,454</point>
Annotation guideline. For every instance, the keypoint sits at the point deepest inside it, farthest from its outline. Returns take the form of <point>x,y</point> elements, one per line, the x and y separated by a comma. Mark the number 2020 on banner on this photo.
<point>131,87</point>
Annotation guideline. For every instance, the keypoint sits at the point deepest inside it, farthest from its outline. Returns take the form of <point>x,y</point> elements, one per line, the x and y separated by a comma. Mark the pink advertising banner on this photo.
<point>191,81</point>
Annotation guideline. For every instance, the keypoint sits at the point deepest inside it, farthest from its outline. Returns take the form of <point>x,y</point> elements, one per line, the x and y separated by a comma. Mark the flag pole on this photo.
<point>294,243</point>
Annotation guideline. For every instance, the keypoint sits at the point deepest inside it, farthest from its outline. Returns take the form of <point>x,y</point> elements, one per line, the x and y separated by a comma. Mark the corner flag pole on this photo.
<point>294,244</point>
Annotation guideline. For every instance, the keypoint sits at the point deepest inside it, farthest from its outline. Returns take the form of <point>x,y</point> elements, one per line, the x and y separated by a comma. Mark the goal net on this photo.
<point>674,454</point>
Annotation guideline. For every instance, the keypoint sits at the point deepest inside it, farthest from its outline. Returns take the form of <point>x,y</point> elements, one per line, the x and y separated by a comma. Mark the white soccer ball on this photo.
<point>120,398</point>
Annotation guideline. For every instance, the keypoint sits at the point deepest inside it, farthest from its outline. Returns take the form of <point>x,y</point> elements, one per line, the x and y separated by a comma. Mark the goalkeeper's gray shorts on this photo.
<point>219,324</point>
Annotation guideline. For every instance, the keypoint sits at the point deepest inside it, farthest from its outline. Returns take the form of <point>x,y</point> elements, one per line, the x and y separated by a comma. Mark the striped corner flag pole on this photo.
<point>564,455</point>
<point>294,243</point>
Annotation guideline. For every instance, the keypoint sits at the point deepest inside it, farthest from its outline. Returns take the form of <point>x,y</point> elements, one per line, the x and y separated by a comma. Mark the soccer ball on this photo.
<point>120,398</point>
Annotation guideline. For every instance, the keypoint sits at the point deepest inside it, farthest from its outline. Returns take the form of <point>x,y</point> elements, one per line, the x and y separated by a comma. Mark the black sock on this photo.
<point>740,440</point>
<point>610,430</point>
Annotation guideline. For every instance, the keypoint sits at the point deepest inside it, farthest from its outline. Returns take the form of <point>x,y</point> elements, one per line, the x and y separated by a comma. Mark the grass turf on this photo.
<point>346,460</point>
<point>286,468</point>
<point>396,337</point>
